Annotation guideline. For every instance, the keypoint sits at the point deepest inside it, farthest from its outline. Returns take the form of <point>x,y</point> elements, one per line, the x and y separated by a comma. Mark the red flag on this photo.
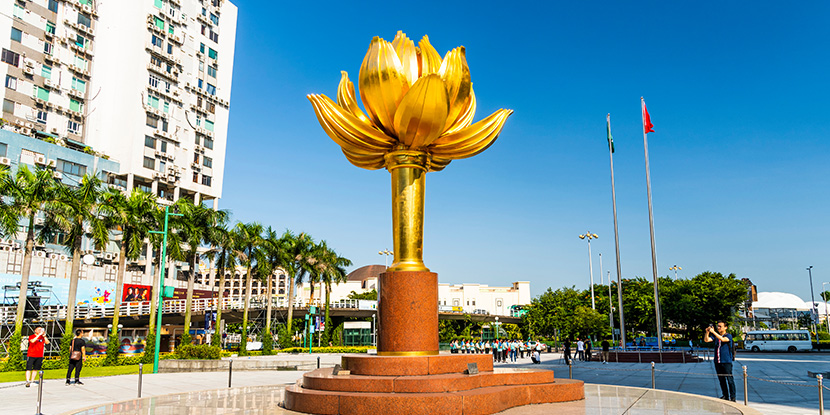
<point>648,127</point>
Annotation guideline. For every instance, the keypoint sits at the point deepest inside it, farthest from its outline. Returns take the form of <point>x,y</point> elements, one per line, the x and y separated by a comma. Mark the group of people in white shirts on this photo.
<point>504,351</point>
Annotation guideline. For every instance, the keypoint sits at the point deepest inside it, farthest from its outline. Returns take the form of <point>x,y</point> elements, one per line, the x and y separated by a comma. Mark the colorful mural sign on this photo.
<point>55,291</point>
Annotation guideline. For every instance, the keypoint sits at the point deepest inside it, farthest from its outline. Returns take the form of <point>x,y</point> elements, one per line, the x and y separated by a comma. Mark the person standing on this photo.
<point>605,346</point>
<point>588,347</point>
<point>567,351</point>
<point>580,349</point>
<point>77,357</point>
<point>496,352</point>
<point>538,352</point>
<point>34,356</point>
<point>723,358</point>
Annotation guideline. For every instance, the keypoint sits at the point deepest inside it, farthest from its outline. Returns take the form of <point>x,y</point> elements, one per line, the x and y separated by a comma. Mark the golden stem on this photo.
<point>408,169</point>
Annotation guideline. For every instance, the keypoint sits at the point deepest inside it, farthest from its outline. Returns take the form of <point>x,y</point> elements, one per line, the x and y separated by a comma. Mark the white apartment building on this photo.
<point>160,93</point>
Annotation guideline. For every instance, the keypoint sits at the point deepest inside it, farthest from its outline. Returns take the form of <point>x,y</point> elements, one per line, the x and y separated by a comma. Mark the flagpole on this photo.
<point>651,229</point>
<point>616,239</point>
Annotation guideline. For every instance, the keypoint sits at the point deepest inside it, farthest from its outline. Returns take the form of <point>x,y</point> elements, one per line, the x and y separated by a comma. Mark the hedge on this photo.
<point>334,349</point>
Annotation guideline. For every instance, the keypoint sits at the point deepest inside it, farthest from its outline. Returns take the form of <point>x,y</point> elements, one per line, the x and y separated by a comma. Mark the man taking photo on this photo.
<point>723,358</point>
<point>34,356</point>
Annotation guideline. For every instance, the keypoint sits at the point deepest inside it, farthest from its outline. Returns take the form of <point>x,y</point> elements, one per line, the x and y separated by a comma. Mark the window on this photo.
<point>164,124</point>
<point>212,71</point>
<point>84,20</point>
<point>198,120</point>
<point>149,163</point>
<point>80,62</point>
<point>10,57</point>
<point>53,5</point>
<point>209,125</point>
<point>170,48</point>
<point>211,107</point>
<point>166,106</point>
<point>195,177</point>
<point>201,66</point>
<point>154,81</point>
<point>209,143</point>
<point>157,42</point>
<point>4,149</point>
<point>46,72</point>
<point>213,36</point>
<point>163,146</point>
<point>153,101</point>
<point>171,30</point>
<point>152,121</point>
<point>155,61</point>
<point>162,166</point>
<point>196,157</point>
<point>81,41</point>
<point>169,68</point>
<point>110,272</point>
<point>202,47</point>
<point>204,11</point>
<point>41,116</point>
<point>17,35</point>
<point>203,29</point>
<point>197,139</point>
<point>149,142</point>
<point>75,105</point>
<point>201,82</point>
<point>73,127</point>
<point>211,89</point>
<point>206,180</point>
<point>41,93</point>
<point>158,22</point>
<point>207,161</point>
<point>69,167</point>
<point>212,53</point>
<point>214,18</point>
<point>48,48</point>
<point>8,106</point>
<point>78,84</point>
<point>50,28</point>
<point>11,82</point>
<point>157,3</point>
<point>19,11</point>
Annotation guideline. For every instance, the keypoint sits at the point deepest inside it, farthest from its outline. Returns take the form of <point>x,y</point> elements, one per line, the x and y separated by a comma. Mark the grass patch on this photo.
<point>85,372</point>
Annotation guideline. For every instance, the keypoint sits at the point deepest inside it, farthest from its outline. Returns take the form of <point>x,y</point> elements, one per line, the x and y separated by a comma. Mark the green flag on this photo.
<point>610,139</point>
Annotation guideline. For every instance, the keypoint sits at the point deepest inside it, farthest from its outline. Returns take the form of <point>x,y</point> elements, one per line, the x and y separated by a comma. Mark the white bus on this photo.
<point>778,340</point>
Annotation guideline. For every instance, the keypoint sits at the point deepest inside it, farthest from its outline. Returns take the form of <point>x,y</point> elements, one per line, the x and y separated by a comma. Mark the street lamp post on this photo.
<point>160,307</point>
<point>497,324</point>
<point>824,297</point>
<point>812,297</point>
<point>675,268</point>
<point>386,253</point>
<point>588,235</point>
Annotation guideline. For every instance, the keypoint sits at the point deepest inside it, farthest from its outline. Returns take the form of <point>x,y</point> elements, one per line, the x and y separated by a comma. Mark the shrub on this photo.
<point>113,349</point>
<point>198,352</point>
<point>15,359</point>
<point>284,337</point>
<point>149,348</point>
<point>267,343</point>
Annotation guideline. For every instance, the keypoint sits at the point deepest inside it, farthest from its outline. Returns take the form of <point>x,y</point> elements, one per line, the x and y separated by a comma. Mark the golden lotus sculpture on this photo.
<point>419,111</point>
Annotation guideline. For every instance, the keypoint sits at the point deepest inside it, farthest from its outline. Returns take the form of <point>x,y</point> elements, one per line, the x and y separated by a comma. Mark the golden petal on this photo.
<point>408,54</point>
<point>456,75</point>
<point>471,140</point>
<point>429,60</point>
<point>369,162</point>
<point>422,113</point>
<point>437,163</point>
<point>347,100</point>
<point>348,131</point>
<point>465,118</point>
<point>382,84</point>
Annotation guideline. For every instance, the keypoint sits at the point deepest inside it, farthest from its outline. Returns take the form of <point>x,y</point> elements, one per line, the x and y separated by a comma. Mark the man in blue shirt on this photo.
<point>723,358</point>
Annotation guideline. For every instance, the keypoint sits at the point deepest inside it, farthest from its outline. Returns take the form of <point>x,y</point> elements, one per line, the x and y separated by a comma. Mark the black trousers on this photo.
<point>727,382</point>
<point>77,365</point>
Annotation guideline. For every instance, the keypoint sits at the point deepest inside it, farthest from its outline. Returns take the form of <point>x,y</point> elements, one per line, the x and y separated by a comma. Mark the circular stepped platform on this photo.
<point>425,385</point>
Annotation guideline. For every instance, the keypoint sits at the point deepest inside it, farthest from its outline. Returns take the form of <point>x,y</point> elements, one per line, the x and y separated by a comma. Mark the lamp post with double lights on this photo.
<point>588,235</point>
<point>675,268</point>
<point>813,311</point>
<point>824,297</point>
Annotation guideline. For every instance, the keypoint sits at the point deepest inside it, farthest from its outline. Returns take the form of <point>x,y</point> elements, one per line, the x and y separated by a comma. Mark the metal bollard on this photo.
<point>140,374</point>
<point>318,362</point>
<point>653,386</point>
<point>570,370</point>
<point>746,391</point>
<point>819,378</point>
<point>40,391</point>
<point>230,372</point>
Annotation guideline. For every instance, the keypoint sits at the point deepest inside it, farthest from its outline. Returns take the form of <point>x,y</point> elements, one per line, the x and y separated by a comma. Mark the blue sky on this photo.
<point>737,93</point>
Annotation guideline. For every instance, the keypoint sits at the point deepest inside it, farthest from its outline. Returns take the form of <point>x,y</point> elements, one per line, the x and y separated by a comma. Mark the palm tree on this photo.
<point>222,254</point>
<point>75,214</point>
<point>194,229</point>
<point>248,241</point>
<point>335,273</point>
<point>273,258</point>
<point>297,247</point>
<point>133,215</point>
<point>28,194</point>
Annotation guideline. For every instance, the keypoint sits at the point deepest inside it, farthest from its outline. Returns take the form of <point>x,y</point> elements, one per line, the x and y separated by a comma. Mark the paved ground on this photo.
<point>786,391</point>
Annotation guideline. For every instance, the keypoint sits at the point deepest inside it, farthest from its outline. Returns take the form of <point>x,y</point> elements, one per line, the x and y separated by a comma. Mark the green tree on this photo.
<point>133,215</point>
<point>74,213</point>
<point>223,255</point>
<point>248,242</point>
<point>273,258</point>
<point>298,248</point>
<point>368,295</point>
<point>194,229</point>
<point>555,311</point>
<point>28,193</point>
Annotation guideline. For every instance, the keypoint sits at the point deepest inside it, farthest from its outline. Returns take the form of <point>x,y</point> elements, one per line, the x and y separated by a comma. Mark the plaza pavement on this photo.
<point>790,392</point>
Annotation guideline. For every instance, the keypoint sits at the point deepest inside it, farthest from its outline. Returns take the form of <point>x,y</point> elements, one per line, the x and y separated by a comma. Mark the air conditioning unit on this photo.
<point>5,248</point>
<point>116,257</point>
<point>54,130</point>
<point>108,256</point>
<point>30,63</point>
<point>64,258</point>
<point>28,70</point>
<point>57,175</point>
<point>52,162</point>
<point>30,125</point>
<point>5,161</point>
<point>40,254</point>
<point>48,82</point>
<point>40,159</point>
<point>86,8</point>
<point>54,256</point>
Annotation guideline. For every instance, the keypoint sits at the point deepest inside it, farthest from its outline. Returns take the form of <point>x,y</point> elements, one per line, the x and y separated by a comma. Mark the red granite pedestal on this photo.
<point>409,376</point>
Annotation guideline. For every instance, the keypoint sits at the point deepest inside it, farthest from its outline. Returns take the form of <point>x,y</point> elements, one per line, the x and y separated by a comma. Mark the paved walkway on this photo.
<point>790,393</point>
